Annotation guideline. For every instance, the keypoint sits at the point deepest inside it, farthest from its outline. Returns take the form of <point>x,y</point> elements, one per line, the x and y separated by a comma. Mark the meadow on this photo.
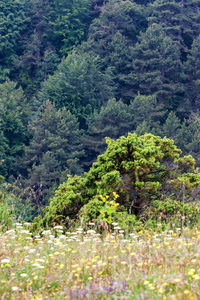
<point>87,265</point>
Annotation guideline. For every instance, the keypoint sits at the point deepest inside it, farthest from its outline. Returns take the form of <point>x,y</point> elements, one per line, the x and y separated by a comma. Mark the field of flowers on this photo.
<point>86,265</point>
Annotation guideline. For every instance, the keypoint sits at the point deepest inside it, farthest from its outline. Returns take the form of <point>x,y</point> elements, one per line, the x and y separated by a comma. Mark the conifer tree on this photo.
<point>14,116</point>
<point>13,22</point>
<point>113,120</point>
<point>54,148</point>
<point>79,85</point>
<point>156,69</point>
<point>68,20</point>
<point>189,137</point>
<point>171,126</point>
<point>111,36</point>
<point>146,109</point>
<point>192,73</point>
<point>179,20</point>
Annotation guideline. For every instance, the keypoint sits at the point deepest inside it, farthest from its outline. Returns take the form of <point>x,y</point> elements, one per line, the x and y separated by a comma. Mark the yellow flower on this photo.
<point>186,292</point>
<point>196,276</point>
<point>115,195</point>
<point>36,277</point>
<point>177,280</point>
<point>161,291</point>
<point>191,272</point>
<point>90,278</point>
<point>62,266</point>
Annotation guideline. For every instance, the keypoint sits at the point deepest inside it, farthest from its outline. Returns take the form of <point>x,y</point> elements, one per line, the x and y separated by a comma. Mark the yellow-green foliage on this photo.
<point>139,169</point>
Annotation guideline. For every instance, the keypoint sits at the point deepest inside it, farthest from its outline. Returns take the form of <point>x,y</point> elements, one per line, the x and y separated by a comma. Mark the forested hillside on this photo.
<point>73,72</point>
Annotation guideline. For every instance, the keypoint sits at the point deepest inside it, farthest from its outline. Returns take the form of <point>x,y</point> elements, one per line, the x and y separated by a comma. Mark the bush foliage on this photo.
<point>125,182</point>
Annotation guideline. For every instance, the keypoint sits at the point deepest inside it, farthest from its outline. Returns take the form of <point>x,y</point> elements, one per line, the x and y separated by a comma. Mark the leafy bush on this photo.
<point>139,169</point>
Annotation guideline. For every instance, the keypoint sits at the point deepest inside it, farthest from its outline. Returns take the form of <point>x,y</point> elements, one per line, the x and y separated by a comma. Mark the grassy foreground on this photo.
<point>144,265</point>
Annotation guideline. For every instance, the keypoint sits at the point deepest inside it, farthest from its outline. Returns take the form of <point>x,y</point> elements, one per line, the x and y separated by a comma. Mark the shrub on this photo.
<point>139,169</point>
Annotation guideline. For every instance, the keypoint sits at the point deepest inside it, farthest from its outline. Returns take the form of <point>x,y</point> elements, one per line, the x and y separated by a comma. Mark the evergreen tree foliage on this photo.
<point>54,148</point>
<point>113,120</point>
<point>111,36</point>
<point>171,126</point>
<point>14,116</point>
<point>179,20</point>
<point>68,20</point>
<point>192,73</point>
<point>156,69</point>
<point>79,85</point>
<point>30,64</point>
<point>146,109</point>
<point>188,137</point>
<point>13,23</point>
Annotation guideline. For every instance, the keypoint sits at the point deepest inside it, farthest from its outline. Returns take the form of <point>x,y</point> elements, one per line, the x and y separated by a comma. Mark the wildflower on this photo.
<point>196,276</point>
<point>62,266</point>
<point>15,288</point>
<point>32,250</point>
<point>161,291</point>
<point>191,272</point>
<point>5,261</point>
<point>186,292</point>
<point>91,223</point>
<point>23,275</point>
<point>177,280</point>
<point>90,278</point>
<point>58,227</point>
<point>91,231</point>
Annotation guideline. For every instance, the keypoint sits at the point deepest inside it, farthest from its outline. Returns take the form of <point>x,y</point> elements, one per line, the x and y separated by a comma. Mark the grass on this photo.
<point>144,265</point>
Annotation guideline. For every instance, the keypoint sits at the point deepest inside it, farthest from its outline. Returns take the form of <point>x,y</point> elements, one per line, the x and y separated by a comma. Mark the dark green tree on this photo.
<point>156,69</point>
<point>179,20</point>
<point>13,23</point>
<point>146,109</point>
<point>14,116</point>
<point>189,138</point>
<point>68,20</point>
<point>113,120</point>
<point>111,36</point>
<point>192,74</point>
<point>54,148</point>
<point>171,127</point>
<point>31,65</point>
<point>79,85</point>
